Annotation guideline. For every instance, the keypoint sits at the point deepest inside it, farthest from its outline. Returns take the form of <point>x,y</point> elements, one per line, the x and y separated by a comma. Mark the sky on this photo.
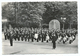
<point>3,3</point>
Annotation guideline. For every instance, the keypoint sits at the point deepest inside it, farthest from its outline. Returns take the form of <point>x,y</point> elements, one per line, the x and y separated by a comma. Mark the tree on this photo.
<point>28,12</point>
<point>56,10</point>
<point>21,12</point>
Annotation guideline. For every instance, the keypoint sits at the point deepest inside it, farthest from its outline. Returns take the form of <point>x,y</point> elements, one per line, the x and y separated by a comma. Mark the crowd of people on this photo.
<point>38,34</point>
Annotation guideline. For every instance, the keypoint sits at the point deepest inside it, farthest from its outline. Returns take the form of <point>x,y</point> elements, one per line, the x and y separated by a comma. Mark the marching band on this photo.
<point>37,34</point>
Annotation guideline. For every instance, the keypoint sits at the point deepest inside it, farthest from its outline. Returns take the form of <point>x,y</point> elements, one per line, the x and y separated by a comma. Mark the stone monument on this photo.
<point>54,25</point>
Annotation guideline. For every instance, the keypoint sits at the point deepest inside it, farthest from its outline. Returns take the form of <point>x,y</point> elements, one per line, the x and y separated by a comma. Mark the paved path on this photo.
<point>22,47</point>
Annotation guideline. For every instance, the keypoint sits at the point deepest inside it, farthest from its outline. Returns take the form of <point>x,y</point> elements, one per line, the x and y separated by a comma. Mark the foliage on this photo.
<point>32,12</point>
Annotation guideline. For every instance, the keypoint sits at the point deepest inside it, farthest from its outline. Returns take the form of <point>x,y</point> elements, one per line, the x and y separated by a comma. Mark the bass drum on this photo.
<point>36,36</point>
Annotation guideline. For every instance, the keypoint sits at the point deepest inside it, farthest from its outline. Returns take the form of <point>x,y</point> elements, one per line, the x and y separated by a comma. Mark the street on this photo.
<point>24,47</point>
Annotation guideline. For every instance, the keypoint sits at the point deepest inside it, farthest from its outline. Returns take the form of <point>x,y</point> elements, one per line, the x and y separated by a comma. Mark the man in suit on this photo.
<point>11,38</point>
<point>54,38</point>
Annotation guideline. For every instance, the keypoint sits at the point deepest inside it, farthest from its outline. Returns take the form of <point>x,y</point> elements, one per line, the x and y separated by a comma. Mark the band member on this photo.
<point>64,38</point>
<point>28,36</point>
<point>42,36</point>
<point>8,34</point>
<point>19,35</point>
<point>32,36</point>
<point>22,36</point>
<point>39,36</point>
<point>15,35</point>
<point>72,37</point>
<point>36,36</point>
<point>25,36</point>
<point>5,34</point>
<point>60,38</point>
<point>47,37</point>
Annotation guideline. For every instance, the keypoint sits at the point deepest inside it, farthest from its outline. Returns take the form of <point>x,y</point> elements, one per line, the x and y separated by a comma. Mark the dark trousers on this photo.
<point>54,44</point>
<point>22,38</point>
<point>70,41</point>
<point>63,42</point>
<point>11,42</point>
<point>5,37</point>
<point>42,39</point>
<point>18,39</point>
<point>8,37</point>
<point>32,39</point>
<point>25,38</point>
<point>15,38</point>
<point>47,41</point>
<point>37,39</point>
<point>28,39</point>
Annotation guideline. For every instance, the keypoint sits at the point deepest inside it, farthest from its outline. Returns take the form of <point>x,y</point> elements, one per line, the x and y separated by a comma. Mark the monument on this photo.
<point>54,25</point>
